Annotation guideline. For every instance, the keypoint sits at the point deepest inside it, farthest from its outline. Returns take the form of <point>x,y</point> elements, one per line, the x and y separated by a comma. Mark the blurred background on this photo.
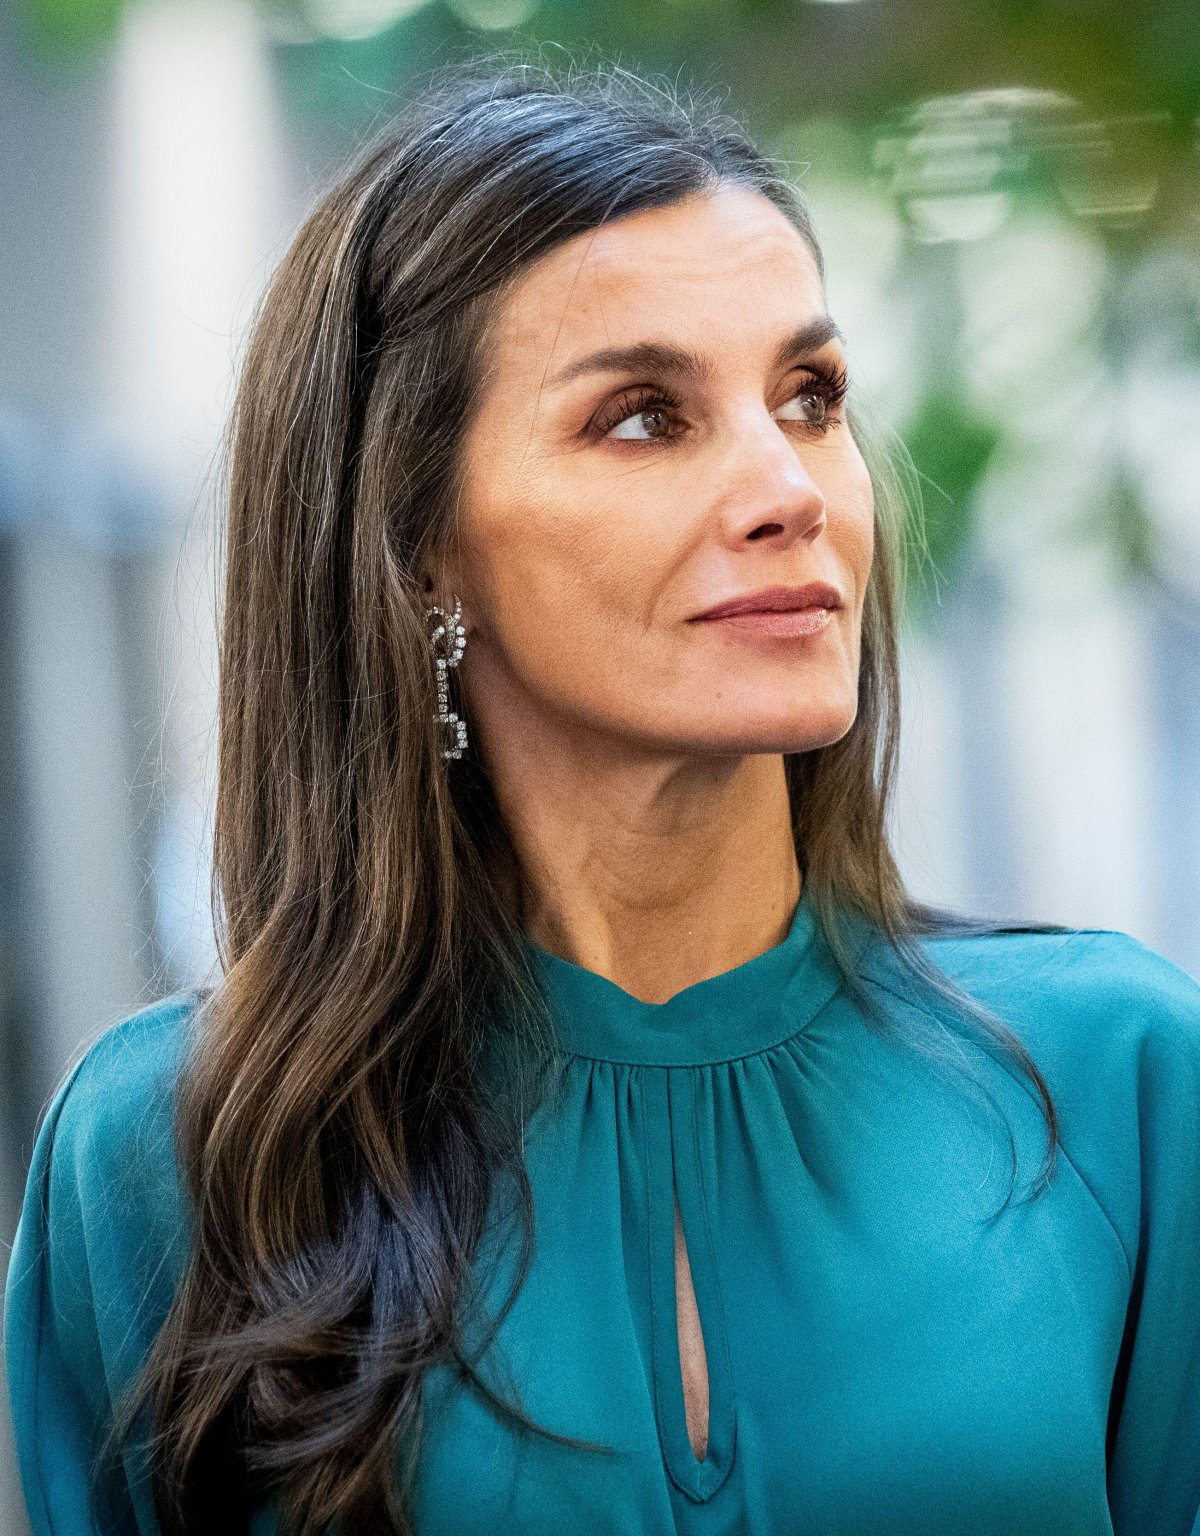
<point>1008,196</point>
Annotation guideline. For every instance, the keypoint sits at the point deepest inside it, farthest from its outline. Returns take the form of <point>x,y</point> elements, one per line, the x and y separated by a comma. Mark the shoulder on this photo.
<point>1114,1028</point>
<point>98,1251</point>
<point>104,1158</point>
<point>103,1228</point>
<point>1150,1003</point>
<point>121,1088</point>
<point>1112,1025</point>
<point>1097,990</point>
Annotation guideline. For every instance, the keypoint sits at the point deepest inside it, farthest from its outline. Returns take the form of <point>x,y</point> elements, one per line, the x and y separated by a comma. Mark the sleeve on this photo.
<point>1154,1418</point>
<point>67,1248</point>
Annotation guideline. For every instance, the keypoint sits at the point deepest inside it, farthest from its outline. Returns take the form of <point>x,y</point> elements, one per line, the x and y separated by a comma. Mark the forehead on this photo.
<point>727,259</point>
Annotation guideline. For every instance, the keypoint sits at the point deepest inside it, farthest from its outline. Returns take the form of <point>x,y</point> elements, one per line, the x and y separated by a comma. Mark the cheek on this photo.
<point>854,532</point>
<point>866,544</point>
<point>560,582</point>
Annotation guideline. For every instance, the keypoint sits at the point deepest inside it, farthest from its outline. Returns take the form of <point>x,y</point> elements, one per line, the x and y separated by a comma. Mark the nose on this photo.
<point>768,491</point>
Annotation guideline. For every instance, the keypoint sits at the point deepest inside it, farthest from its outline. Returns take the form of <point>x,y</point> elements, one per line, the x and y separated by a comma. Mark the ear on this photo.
<point>441,571</point>
<point>436,584</point>
<point>438,589</point>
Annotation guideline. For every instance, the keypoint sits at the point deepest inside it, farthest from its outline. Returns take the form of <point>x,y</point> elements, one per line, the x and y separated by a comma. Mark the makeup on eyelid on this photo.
<point>827,382</point>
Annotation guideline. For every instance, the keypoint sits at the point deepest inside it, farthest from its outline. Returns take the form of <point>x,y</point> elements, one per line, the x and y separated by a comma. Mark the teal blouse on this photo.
<point>882,1360</point>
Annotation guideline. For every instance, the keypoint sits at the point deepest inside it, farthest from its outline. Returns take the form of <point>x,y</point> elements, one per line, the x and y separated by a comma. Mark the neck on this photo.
<point>651,873</point>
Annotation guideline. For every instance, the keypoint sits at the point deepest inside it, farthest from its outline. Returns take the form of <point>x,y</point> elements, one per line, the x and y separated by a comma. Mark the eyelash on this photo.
<point>831,383</point>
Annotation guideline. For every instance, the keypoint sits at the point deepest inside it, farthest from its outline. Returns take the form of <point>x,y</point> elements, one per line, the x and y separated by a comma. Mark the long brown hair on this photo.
<point>335,1127</point>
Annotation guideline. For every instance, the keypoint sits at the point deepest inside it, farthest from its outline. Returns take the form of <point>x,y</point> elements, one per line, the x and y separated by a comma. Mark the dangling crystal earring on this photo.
<point>448,641</point>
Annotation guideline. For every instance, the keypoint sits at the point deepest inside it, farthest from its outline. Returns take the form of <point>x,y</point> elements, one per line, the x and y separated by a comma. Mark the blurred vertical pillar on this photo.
<point>204,197</point>
<point>1077,700</point>
<point>933,832</point>
<point>1175,620</point>
<point>989,740</point>
<point>53,149</point>
<point>145,197</point>
<point>16,1009</point>
<point>81,930</point>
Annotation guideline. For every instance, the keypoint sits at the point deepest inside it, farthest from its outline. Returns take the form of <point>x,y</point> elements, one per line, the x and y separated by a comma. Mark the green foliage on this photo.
<point>951,448</point>
<point>65,33</point>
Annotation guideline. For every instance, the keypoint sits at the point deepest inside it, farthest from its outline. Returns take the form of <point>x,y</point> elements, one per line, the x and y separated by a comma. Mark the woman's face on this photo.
<point>611,499</point>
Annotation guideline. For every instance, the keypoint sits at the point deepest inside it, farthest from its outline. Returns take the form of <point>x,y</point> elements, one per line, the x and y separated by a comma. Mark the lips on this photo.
<point>816,594</point>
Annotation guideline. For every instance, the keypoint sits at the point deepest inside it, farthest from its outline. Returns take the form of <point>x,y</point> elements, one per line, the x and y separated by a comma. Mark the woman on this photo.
<point>588,1131</point>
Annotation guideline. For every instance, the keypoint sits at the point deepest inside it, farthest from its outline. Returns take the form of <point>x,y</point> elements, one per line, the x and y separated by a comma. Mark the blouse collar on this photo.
<point>756,1005</point>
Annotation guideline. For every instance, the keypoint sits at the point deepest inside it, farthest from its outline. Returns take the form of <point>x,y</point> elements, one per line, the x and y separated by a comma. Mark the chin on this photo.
<point>757,735</point>
<point>817,723</point>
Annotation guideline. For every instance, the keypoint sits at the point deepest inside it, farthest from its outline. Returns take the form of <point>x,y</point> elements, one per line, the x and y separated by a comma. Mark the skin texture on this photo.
<point>636,755</point>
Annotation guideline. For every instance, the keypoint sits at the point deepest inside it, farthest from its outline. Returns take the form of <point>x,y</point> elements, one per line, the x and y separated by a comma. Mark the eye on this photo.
<point>818,401</point>
<point>650,408</point>
<point>638,405</point>
<point>828,389</point>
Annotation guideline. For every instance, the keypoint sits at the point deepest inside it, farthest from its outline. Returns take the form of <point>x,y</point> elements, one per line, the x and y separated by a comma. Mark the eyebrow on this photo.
<point>666,357</point>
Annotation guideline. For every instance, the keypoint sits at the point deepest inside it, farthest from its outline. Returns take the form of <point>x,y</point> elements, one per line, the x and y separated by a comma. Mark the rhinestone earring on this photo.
<point>448,640</point>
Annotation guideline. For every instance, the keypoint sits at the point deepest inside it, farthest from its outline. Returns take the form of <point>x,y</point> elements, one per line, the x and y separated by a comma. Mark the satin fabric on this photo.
<point>886,1355</point>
